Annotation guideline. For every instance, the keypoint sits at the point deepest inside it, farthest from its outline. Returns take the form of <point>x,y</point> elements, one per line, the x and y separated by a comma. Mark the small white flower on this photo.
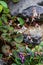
<point>10,54</point>
<point>26,47</point>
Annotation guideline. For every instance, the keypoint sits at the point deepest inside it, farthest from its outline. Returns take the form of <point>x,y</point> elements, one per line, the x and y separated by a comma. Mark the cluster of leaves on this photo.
<point>4,11</point>
<point>29,59</point>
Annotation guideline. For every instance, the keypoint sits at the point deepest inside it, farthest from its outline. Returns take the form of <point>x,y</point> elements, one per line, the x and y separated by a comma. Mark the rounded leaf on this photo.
<point>4,4</point>
<point>5,49</point>
<point>1,8</point>
<point>0,22</point>
<point>21,21</point>
<point>19,38</point>
<point>13,64</point>
<point>41,44</point>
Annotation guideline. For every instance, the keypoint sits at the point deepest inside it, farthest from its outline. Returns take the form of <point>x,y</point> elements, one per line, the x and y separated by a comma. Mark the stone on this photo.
<point>21,5</point>
<point>2,62</point>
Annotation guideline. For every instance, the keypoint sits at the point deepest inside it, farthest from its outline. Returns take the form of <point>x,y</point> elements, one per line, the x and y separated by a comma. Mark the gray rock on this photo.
<point>28,11</point>
<point>2,62</point>
<point>21,5</point>
<point>40,3</point>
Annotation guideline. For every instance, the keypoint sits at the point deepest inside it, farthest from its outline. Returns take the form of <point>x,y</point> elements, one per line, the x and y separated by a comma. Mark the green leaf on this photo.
<point>6,37</point>
<point>6,10</point>
<point>21,21</point>
<point>4,4</point>
<point>13,64</point>
<point>28,50</point>
<point>18,61</point>
<point>27,61</point>
<point>10,28</point>
<point>36,48</point>
<point>4,18</point>
<point>39,64</point>
<point>41,44</point>
<point>1,8</point>
<point>22,49</point>
<point>0,22</point>
<point>5,48</point>
<point>1,56</point>
<point>4,27</point>
<point>4,31</point>
<point>15,1</point>
<point>15,54</point>
<point>19,38</point>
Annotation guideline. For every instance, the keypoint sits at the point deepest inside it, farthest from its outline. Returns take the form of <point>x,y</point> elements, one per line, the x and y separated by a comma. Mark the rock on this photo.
<point>40,3</point>
<point>32,40</point>
<point>28,11</point>
<point>35,36</point>
<point>2,62</point>
<point>21,5</point>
